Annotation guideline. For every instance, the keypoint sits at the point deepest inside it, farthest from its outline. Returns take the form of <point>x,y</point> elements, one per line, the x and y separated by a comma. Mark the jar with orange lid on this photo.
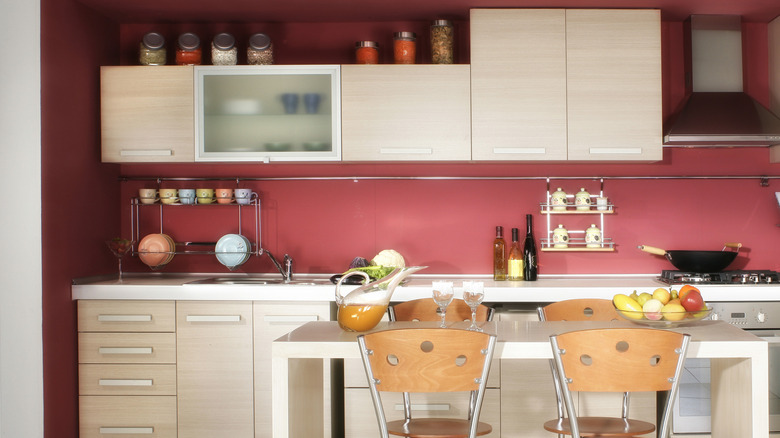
<point>404,47</point>
<point>188,51</point>
<point>366,52</point>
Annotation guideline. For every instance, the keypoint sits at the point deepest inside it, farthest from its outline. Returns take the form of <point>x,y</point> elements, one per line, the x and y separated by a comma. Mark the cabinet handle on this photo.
<point>289,319</point>
<point>213,318</point>
<point>125,382</point>
<point>526,151</point>
<point>596,151</point>
<point>425,407</point>
<point>127,430</point>
<point>145,152</point>
<point>410,151</point>
<point>124,318</point>
<point>125,350</point>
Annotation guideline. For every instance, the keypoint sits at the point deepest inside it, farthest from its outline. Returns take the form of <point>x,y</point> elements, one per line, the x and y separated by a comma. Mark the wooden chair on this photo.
<point>617,360</point>
<point>413,360</point>
<point>425,309</point>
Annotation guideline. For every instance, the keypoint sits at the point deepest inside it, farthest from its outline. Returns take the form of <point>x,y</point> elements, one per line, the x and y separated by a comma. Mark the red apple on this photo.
<point>692,301</point>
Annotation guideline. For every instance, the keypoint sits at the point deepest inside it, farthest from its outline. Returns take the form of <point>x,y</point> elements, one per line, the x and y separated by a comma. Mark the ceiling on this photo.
<point>258,11</point>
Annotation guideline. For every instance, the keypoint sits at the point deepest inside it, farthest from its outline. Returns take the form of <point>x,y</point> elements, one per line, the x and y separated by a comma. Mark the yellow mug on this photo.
<point>147,196</point>
<point>205,196</point>
<point>168,196</point>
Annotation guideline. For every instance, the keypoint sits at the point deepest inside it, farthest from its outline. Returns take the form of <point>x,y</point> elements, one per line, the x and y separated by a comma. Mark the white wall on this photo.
<point>21,367</point>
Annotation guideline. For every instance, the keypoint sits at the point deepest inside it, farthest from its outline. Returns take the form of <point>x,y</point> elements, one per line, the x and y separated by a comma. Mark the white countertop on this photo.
<point>546,289</point>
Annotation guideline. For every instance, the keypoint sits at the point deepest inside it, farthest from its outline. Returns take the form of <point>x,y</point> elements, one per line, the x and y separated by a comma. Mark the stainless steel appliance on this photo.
<point>692,408</point>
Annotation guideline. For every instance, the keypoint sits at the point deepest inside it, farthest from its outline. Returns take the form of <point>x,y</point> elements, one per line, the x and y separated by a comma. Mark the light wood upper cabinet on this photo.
<point>147,114</point>
<point>405,112</point>
<point>566,84</point>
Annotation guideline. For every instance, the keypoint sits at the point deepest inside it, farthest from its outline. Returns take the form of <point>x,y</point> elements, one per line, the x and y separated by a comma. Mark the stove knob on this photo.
<point>761,317</point>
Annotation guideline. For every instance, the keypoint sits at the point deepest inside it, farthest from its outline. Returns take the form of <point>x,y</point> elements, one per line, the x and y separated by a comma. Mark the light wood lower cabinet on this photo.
<point>214,369</point>
<point>130,416</point>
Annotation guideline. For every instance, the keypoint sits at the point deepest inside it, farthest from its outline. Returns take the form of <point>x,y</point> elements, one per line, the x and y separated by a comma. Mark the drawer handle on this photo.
<point>213,318</point>
<point>125,382</point>
<point>127,430</point>
<point>289,319</point>
<point>410,151</point>
<point>425,407</point>
<point>125,350</point>
<point>124,318</point>
<point>527,151</point>
<point>145,152</point>
<point>635,151</point>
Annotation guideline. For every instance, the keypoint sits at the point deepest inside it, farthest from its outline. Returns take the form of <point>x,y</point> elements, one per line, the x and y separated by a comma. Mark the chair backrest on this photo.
<point>582,309</point>
<point>619,360</point>
<point>425,309</point>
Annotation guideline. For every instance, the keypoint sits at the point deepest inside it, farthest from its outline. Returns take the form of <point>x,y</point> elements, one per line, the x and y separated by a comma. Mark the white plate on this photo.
<point>232,250</point>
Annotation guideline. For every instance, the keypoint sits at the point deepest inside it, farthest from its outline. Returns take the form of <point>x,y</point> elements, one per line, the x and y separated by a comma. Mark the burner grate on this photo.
<point>723,277</point>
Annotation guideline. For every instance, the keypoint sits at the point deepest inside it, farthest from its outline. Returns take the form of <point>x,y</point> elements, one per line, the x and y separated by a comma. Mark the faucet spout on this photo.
<point>287,270</point>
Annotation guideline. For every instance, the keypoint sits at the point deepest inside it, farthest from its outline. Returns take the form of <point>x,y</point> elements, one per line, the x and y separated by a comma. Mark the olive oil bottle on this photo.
<point>515,265</point>
<point>499,255</point>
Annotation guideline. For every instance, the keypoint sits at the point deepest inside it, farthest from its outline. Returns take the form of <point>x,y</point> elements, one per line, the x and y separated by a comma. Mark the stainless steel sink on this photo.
<point>259,281</point>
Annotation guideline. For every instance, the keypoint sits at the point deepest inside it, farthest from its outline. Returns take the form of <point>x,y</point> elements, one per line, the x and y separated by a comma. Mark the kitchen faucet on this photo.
<point>287,271</point>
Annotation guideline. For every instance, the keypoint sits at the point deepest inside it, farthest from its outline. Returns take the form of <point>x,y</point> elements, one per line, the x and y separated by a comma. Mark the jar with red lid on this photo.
<point>188,51</point>
<point>404,47</point>
<point>366,52</point>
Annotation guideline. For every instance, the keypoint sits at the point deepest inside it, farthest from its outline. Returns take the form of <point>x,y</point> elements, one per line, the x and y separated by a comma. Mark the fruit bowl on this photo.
<point>668,319</point>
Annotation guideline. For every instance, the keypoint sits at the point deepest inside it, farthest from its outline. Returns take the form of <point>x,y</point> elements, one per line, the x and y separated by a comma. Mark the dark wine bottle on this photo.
<point>499,255</point>
<point>529,251</point>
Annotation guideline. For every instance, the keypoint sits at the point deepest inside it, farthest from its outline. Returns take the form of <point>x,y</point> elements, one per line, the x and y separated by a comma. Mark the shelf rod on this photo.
<point>761,178</point>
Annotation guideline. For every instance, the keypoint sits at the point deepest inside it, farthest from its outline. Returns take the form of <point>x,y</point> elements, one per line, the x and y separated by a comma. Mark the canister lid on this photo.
<point>441,23</point>
<point>259,41</point>
<point>372,44</point>
<point>153,41</point>
<point>405,36</point>
<point>188,41</point>
<point>224,41</point>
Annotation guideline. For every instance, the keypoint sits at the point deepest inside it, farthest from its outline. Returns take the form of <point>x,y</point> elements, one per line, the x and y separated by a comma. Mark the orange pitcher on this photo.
<point>362,309</point>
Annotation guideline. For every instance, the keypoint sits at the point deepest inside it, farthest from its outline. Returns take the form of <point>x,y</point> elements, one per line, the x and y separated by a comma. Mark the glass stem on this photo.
<point>443,316</point>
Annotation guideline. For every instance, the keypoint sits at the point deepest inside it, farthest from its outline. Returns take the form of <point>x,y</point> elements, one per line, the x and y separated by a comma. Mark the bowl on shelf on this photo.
<point>664,319</point>
<point>156,250</point>
<point>233,250</point>
<point>278,146</point>
<point>316,146</point>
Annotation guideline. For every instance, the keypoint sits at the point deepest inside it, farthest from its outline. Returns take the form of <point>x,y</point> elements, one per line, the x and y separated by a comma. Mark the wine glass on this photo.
<point>442,295</point>
<point>119,247</point>
<point>473,294</point>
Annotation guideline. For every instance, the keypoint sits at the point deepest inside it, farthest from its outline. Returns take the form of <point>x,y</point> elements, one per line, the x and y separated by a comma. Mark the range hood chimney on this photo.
<point>718,112</point>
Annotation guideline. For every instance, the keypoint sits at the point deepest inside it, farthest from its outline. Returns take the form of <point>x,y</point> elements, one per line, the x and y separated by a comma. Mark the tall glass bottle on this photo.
<point>515,265</point>
<point>529,251</point>
<point>499,255</point>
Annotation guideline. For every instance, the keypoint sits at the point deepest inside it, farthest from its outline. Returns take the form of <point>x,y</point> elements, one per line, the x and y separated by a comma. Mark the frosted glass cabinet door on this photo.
<point>268,113</point>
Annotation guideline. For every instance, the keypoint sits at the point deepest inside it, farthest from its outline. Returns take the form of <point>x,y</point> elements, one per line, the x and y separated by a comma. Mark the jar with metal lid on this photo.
<point>593,237</point>
<point>188,51</point>
<point>404,47</point>
<point>223,50</point>
<point>442,42</point>
<point>260,50</point>
<point>152,49</point>
<point>560,237</point>
<point>366,52</point>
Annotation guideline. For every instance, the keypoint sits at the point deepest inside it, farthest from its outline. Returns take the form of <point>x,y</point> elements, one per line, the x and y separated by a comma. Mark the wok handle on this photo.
<point>732,245</point>
<point>652,250</point>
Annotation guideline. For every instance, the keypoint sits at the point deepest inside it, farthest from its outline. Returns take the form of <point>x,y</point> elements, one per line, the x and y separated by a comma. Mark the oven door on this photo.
<point>691,412</point>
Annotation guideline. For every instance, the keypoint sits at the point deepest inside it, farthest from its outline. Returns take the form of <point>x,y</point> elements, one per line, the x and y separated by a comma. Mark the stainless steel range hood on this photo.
<point>718,112</point>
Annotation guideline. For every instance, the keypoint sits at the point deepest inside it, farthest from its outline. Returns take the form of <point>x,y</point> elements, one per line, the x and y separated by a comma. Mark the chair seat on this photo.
<point>435,427</point>
<point>602,426</point>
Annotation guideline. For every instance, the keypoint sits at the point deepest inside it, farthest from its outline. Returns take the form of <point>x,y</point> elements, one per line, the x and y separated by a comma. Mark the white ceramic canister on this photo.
<point>560,237</point>
<point>593,237</point>
<point>582,200</point>
<point>558,200</point>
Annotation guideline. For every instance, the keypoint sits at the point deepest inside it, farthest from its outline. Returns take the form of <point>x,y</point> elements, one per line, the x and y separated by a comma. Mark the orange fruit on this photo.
<point>685,289</point>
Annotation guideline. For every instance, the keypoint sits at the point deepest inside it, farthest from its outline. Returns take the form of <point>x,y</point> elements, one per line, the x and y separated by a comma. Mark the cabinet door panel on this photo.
<point>518,80</point>
<point>405,112</point>
<point>214,369</point>
<point>614,84</point>
<point>147,114</point>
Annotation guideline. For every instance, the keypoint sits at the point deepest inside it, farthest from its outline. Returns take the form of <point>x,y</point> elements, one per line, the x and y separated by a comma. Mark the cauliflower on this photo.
<point>389,257</point>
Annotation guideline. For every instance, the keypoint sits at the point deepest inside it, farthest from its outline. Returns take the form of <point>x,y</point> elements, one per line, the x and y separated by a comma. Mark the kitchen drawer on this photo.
<point>360,416</point>
<point>355,374</point>
<point>126,316</point>
<point>123,379</point>
<point>129,416</point>
<point>127,348</point>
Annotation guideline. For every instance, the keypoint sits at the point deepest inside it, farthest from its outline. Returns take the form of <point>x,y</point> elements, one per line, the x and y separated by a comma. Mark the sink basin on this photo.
<point>259,281</point>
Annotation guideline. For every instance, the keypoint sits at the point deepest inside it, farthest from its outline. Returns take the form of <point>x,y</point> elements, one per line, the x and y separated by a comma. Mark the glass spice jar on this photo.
<point>366,52</point>
<point>260,50</point>
<point>152,49</point>
<point>223,50</point>
<point>188,51</point>
<point>404,47</point>
<point>442,42</point>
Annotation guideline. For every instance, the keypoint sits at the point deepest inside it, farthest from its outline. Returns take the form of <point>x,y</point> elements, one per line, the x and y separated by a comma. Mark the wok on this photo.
<point>697,261</point>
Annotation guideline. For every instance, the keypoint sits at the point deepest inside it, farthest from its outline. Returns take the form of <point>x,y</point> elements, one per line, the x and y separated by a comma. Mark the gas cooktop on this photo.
<point>723,277</point>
